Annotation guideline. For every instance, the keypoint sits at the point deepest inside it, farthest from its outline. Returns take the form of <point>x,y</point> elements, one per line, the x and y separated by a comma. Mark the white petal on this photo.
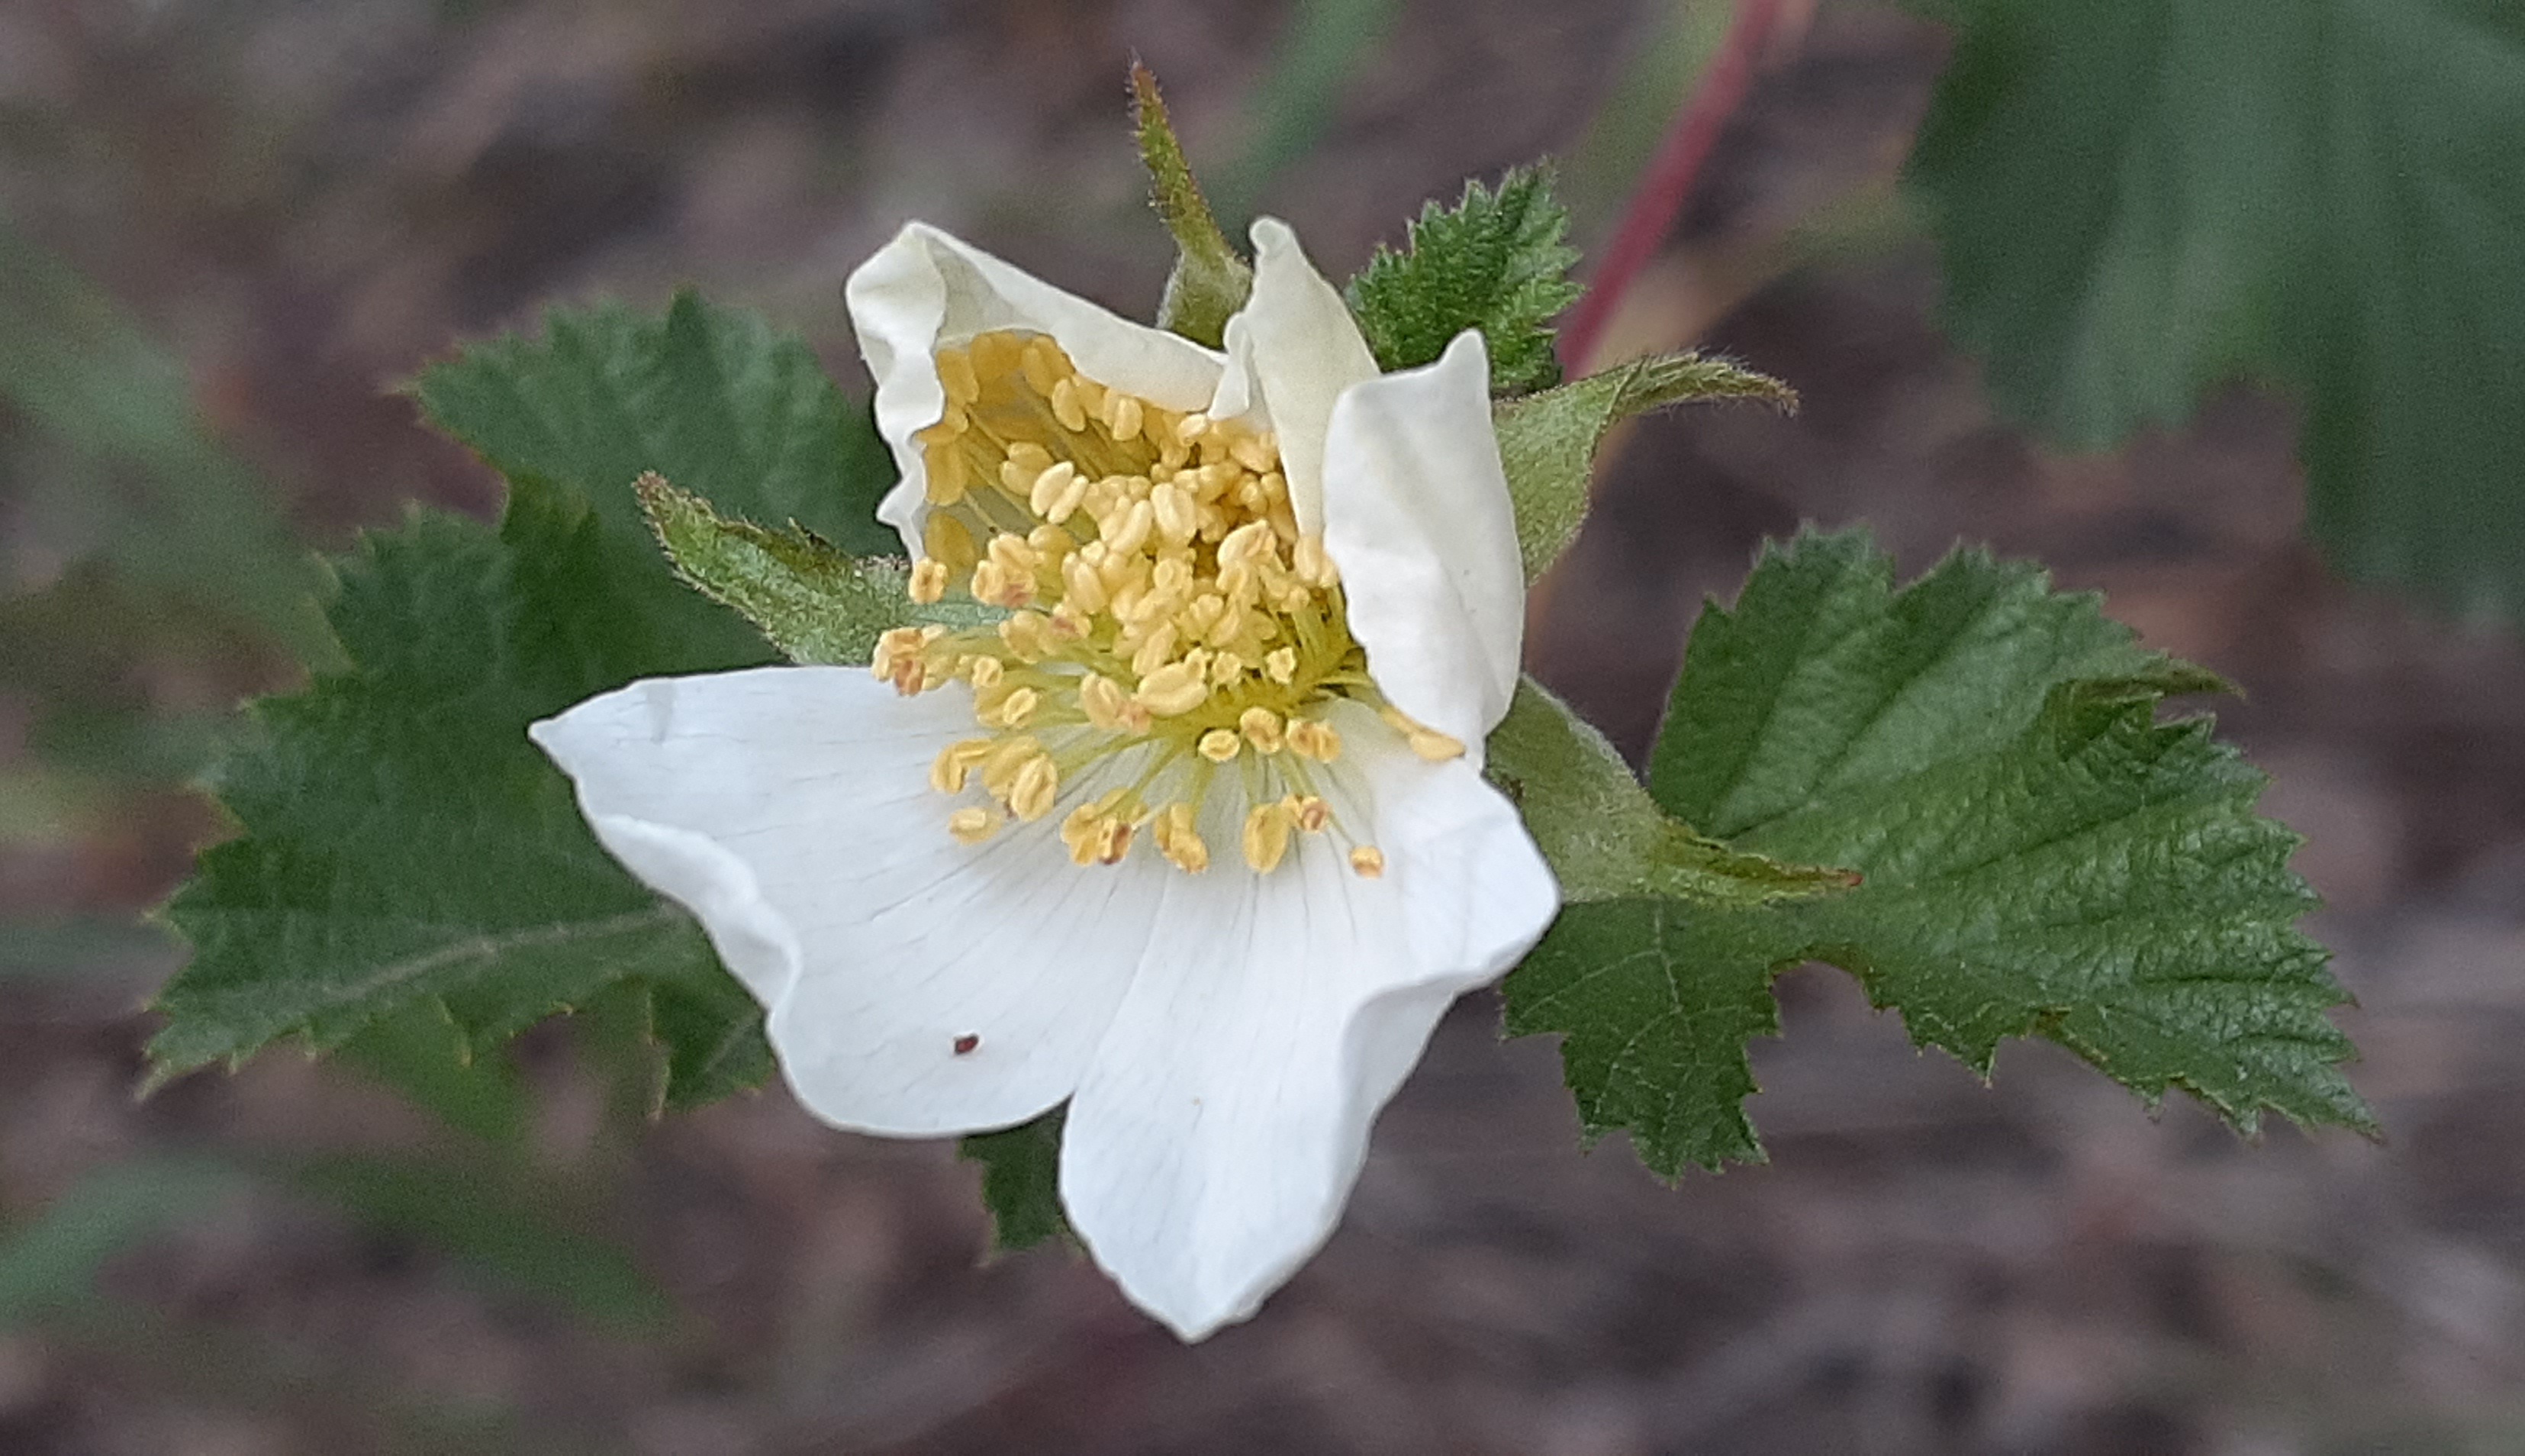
<point>1417,515</point>
<point>925,287</point>
<point>1296,345</point>
<point>1217,1133</point>
<point>789,809</point>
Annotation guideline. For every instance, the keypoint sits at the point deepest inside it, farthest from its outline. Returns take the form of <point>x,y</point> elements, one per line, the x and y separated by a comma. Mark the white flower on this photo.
<point>1266,600</point>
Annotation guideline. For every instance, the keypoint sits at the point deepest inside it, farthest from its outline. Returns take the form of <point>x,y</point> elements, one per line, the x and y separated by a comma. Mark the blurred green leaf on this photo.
<point>142,486</point>
<point>52,1262</point>
<point>2137,200</point>
<point>2039,858</point>
<point>510,1233</point>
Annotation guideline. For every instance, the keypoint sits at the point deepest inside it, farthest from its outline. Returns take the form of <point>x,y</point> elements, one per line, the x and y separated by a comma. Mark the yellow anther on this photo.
<point>1103,701</point>
<point>983,671</point>
<point>1280,665</point>
<point>1311,814</point>
<point>1028,635</point>
<point>1218,745</point>
<point>1225,669</point>
<point>956,763</point>
<point>1173,578</point>
<point>973,825</point>
<point>1178,515</point>
<point>1030,459</point>
<point>1367,862</point>
<point>1178,841</point>
<point>897,658</point>
<point>1044,364</point>
<point>1054,544</point>
<point>1310,737</point>
<point>1123,417</point>
<point>1037,785</point>
<point>1016,708</point>
<point>1084,586</point>
<point>1192,427</point>
<point>1243,545</point>
<point>947,474</point>
<point>996,583</point>
<point>1079,833</point>
<point>1176,688</point>
<point>1014,555</point>
<point>1267,836</point>
<point>1255,453</point>
<point>929,581</point>
<point>1066,406</point>
<point>1047,489</point>
<point>1006,754</point>
<point>997,354</point>
<point>1261,728</point>
<point>1155,650</point>
<point>1132,531</point>
<point>956,373</point>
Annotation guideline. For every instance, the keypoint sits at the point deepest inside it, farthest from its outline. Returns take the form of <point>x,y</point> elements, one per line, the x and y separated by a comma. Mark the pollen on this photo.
<point>1367,862</point>
<point>1164,634</point>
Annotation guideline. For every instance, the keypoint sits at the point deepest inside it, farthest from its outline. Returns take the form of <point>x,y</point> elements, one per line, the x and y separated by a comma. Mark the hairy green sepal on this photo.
<point>1209,280</point>
<point>1548,440</point>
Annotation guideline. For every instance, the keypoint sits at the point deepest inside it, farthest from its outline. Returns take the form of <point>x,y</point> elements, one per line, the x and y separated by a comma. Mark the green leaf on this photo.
<point>1209,280</point>
<point>2039,857</point>
<point>1548,440</point>
<point>2320,192</point>
<point>1494,261</point>
<point>406,853</point>
<point>405,846</point>
<point>814,602</point>
<point>1602,834</point>
<point>714,399</point>
<point>1022,1180</point>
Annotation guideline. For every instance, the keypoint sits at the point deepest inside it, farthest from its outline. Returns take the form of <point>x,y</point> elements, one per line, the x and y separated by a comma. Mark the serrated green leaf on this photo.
<point>1209,281</point>
<point>1022,1180</point>
<point>404,845</point>
<point>2039,857</point>
<point>2321,192</point>
<point>813,601</point>
<point>1548,439</point>
<point>714,399</point>
<point>1494,261</point>
<point>1602,834</point>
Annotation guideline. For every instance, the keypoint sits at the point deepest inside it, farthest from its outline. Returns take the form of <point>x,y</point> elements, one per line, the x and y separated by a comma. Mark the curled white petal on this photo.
<point>925,288</point>
<point>1295,345</point>
<point>789,809</point>
<point>1222,1124</point>
<point>1417,516</point>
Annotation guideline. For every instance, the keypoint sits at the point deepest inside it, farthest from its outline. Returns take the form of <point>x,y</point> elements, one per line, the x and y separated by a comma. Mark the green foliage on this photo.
<point>812,600</point>
<point>712,399</point>
<point>1021,1182</point>
<point>405,846</point>
<point>2039,856</point>
<point>1495,262</point>
<point>1548,439</point>
<point>1602,834</point>
<point>2323,192</point>
<point>1209,280</point>
<point>412,872</point>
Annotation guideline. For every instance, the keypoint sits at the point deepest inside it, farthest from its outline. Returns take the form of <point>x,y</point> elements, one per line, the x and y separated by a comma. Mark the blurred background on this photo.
<point>230,228</point>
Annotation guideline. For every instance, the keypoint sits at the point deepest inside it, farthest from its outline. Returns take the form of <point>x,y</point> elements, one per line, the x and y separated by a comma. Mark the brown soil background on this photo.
<point>306,200</point>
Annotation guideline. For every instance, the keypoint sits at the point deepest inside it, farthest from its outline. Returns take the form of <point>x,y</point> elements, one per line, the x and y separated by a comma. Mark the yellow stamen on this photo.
<point>1218,745</point>
<point>955,762</point>
<point>929,581</point>
<point>1267,836</point>
<point>1037,784</point>
<point>1178,841</point>
<point>1261,728</point>
<point>973,825</point>
<point>1367,862</point>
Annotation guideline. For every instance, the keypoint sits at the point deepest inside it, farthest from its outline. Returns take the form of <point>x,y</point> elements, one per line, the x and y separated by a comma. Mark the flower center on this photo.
<point>1169,632</point>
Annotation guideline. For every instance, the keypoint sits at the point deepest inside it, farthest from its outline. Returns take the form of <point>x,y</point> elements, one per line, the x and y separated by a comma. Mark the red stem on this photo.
<point>1672,176</point>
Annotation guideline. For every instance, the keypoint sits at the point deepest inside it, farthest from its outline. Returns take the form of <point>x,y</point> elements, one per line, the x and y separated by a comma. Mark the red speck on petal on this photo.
<point>967,1043</point>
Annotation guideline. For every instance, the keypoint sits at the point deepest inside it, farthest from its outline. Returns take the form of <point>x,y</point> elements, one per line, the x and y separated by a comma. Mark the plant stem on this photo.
<point>1672,176</point>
